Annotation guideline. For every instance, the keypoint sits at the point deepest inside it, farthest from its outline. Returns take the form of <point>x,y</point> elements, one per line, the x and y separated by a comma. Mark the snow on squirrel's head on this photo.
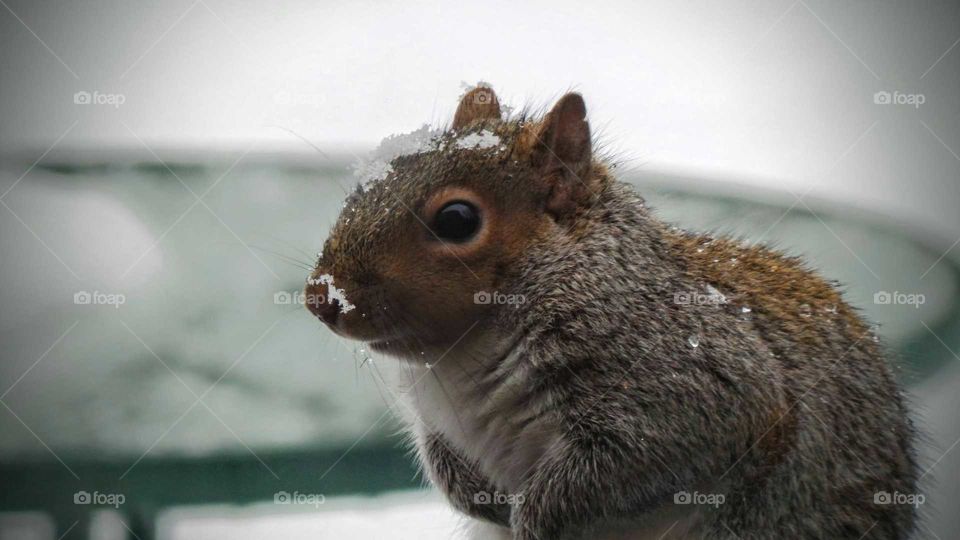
<point>442,217</point>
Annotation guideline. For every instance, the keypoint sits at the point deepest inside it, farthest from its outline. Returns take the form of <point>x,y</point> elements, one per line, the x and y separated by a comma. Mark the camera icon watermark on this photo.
<point>96,498</point>
<point>909,499</point>
<point>97,298</point>
<point>485,497</point>
<point>897,298</point>
<point>99,98</point>
<point>705,499</point>
<point>483,96</point>
<point>884,97</point>
<point>297,498</point>
<point>498,298</point>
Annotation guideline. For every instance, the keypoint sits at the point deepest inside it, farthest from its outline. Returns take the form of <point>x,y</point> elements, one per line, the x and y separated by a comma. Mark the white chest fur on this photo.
<point>494,422</point>
<point>486,416</point>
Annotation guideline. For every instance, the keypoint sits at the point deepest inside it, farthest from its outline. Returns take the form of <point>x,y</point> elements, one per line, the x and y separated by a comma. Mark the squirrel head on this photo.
<point>417,257</point>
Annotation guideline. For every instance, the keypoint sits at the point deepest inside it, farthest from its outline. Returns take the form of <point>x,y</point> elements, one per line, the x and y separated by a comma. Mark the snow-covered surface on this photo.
<point>406,515</point>
<point>416,515</point>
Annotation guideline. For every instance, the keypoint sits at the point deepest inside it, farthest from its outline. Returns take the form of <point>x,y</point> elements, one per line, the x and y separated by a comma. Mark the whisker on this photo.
<point>299,250</point>
<point>302,138</point>
<point>286,258</point>
<point>376,370</point>
<point>315,147</point>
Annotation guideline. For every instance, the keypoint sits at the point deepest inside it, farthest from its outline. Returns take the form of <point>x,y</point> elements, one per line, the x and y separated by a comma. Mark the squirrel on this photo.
<point>580,369</point>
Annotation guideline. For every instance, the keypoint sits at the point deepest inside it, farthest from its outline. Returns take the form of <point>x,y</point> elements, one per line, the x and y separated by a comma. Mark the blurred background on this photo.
<point>167,167</point>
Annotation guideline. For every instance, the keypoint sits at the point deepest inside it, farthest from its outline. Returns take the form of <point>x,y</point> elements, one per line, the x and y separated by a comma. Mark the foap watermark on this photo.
<point>706,499</point>
<point>498,298</point>
<point>909,499</point>
<point>485,497</point>
<point>97,298</point>
<point>898,98</point>
<point>712,297</point>
<point>287,298</point>
<point>897,298</point>
<point>99,499</point>
<point>99,98</point>
<point>297,498</point>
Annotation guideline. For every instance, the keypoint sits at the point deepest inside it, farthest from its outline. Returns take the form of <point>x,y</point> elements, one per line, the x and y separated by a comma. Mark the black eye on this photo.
<point>457,221</point>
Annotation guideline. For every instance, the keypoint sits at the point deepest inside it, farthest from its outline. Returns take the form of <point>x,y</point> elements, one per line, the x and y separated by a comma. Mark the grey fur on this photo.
<point>599,401</point>
<point>599,313</point>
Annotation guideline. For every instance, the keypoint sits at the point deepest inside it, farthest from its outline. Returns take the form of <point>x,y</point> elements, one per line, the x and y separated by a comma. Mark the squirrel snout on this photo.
<point>319,303</point>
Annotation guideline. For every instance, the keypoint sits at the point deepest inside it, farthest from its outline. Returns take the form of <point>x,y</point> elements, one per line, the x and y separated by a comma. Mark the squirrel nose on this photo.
<point>320,304</point>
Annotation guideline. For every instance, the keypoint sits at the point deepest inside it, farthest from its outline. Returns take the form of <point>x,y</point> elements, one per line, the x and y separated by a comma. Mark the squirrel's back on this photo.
<point>836,438</point>
<point>846,417</point>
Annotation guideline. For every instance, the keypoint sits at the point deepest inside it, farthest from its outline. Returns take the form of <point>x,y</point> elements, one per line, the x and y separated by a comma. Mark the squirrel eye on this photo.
<point>457,221</point>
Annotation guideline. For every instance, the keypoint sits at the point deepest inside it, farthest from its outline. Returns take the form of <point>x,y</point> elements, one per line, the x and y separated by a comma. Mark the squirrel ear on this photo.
<point>564,154</point>
<point>479,103</point>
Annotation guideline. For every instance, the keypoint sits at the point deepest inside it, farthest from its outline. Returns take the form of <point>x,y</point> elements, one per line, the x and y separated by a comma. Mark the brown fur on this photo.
<point>773,285</point>
<point>479,103</point>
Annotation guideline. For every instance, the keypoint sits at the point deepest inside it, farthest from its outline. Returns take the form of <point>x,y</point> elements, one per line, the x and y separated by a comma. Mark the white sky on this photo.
<point>772,93</point>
